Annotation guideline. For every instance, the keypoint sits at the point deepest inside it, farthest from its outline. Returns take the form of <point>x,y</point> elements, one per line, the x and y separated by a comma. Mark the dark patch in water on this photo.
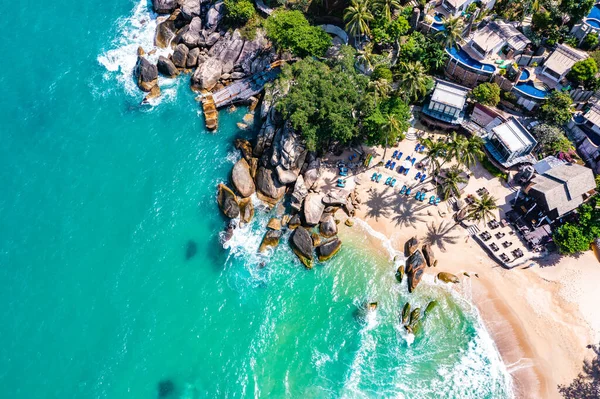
<point>165,388</point>
<point>190,250</point>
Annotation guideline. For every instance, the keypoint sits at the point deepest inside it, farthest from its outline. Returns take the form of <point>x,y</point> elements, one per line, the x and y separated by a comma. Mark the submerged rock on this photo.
<point>245,148</point>
<point>190,249</point>
<point>327,250</point>
<point>294,222</point>
<point>447,277</point>
<point>327,227</point>
<point>242,180</point>
<point>302,246</point>
<point>405,313</point>
<point>274,224</point>
<point>415,315</point>
<point>228,202</point>
<point>400,273</point>
<point>414,270</point>
<point>165,388</point>
<point>270,240</point>
<point>246,210</point>
<point>430,306</point>
<point>411,246</point>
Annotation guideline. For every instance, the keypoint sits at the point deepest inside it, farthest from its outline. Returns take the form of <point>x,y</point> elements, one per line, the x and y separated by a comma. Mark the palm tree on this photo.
<point>413,80</point>
<point>437,58</point>
<point>457,146</point>
<point>482,208</point>
<point>386,7</point>
<point>357,17</point>
<point>474,151</point>
<point>452,181</point>
<point>453,32</point>
<point>366,56</point>
<point>391,129</point>
<point>435,154</point>
<point>381,88</point>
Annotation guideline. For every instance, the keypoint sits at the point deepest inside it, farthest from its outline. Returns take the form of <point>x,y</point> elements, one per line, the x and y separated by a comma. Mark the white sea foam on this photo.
<point>136,30</point>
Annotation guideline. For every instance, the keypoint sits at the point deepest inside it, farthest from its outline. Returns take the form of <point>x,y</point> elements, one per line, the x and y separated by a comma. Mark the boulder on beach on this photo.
<point>214,16</point>
<point>286,176</point>
<point>228,202</point>
<point>447,277</point>
<point>312,209</point>
<point>400,273</point>
<point>328,227</point>
<point>335,198</point>
<point>414,269</point>
<point>180,55</point>
<point>327,250</point>
<point>242,180</point>
<point>268,186</point>
<point>299,193</point>
<point>428,254</point>
<point>274,224</point>
<point>166,67</point>
<point>302,246</point>
<point>192,58</point>
<point>411,246</point>
<point>147,74</point>
<point>246,210</point>
<point>270,240</point>
<point>191,37</point>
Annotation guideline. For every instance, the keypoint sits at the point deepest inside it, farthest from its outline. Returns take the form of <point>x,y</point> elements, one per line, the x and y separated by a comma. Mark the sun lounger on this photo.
<point>413,160</point>
<point>418,196</point>
<point>388,180</point>
<point>393,182</point>
<point>417,147</point>
<point>417,175</point>
<point>378,178</point>
<point>407,158</point>
<point>408,191</point>
<point>423,177</point>
<point>432,199</point>
<point>401,169</point>
<point>374,176</point>
<point>403,189</point>
<point>388,163</point>
<point>406,171</point>
<point>395,154</point>
<point>437,200</point>
<point>393,166</point>
<point>399,156</point>
<point>341,183</point>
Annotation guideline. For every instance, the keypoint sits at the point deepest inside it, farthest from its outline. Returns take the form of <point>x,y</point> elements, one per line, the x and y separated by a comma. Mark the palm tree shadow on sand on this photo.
<point>378,204</point>
<point>406,215</point>
<point>439,235</point>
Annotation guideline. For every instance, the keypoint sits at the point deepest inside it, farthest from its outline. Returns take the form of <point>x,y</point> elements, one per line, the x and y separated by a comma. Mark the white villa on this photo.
<point>498,36</point>
<point>560,62</point>
<point>510,143</point>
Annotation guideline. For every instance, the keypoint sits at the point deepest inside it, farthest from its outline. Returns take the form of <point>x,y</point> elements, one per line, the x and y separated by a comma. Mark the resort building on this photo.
<point>457,7</point>
<point>510,143</point>
<point>558,188</point>
<point>446,106</point>
<point>561,61</point>
<point>584,131</point>
<point>497,38</point>
<point>589,24</point>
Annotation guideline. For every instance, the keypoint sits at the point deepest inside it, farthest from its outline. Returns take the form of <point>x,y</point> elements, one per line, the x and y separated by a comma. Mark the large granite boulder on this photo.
<point>335,198</point>
<point>268,186</point>
<point>246,210</point>
<point>245,148</point>
<point>207,74</point>
<point>165,33</point>
<point>411,246</point>
<point>190,8</point>
<point>274,224</point>
<point>312,172</point>
<point>266,134</point>
<point>286,176</point>
<point>147,74</point>
<point>190,35</point>
<point>180,55</point>
<point>270,240</point>
<point>447,277</point>
<point>164,6</point>
<point>288,149</point>
<point>328,227</point>
<point>302,245</point>
<point>300,192</point>
<point>429,256</point>
<point>214,16</point>
<point>166,67</point>
<point>228,202</point>
<point>415,265</point>
<point>251,49</point>
<point>242,180</point>
<point>231,52</point>
<point>327,250</point>
<point>294,222</point>
<point>192,58</point>
<point>312,209</point>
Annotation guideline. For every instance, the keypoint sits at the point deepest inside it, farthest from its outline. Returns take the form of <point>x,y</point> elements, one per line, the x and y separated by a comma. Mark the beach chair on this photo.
<point>395,154</point>
<point>417,147</point>
<point>408,190</point>
<point>393,166</point>
<point>417,175</point>
<point>401,169</point>
<point>432,199</point>
<point>406,171</point>
<point>393,182</point>
<point>341,183</point>
<point>407,158</point>
<point>403,189</point>
<point>437,200</point>
<point>418,196</point>
<point>423,196</point>
<point>378,178</point>
<point>399,156</point>
<point>413,160</point>
<point>388,163</point>
<point>388,181</point>
<point>343,171</point>
<point>374,176</point>
<point>423,177</point>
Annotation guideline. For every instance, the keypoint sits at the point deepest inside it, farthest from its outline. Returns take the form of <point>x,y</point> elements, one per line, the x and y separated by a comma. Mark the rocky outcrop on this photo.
<point>415,265</point>
<point>242,180</point>
<point>288,150</point>
<point>190,8</point>
<point>300,192</point>
<point>191,35</point>
<point>411,246</point>
<point>428,254</point>
<point>286,176</point>
<point>294,222</point>
<point>313,171</point>
<point>246,210</point>
<point>147,74</point>
<point>165,33</point>
<point>166,67</point>
<point>153,93</point>
<point>268,186</point>
<point>251,49</point>
<point>400,273</point>
<point>265,136</point>
<point>180,55</point>
<point>228,202</point>
<point>274,224</point>
<point>327,250</point>
<point>164,6</point>
<point>245,148</point>
<point>192,58</point>
<point>328,227</point>
<point>447,277</point>
<point>302,246</point>
<point>270,240</point>
<point>214,16</point>
<point>312,209</point>
<point>335,198</point>
<point>207,74</point>
<point>316,239</point>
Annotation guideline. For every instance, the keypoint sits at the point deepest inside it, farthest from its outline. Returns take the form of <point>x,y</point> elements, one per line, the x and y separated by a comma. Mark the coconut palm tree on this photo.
<point>357,17</point>
<point>391,130</point>
<point>452,35</point>
<point>473,152</point>
<point>413,80</point>
<point>482,208</point>
<point>452,181</point>
<point>366,56</point>
<point>386,7</point>
<point>457,146</point>
<point>437,59</point>
<point>435,154</point>
<point>381,88</point>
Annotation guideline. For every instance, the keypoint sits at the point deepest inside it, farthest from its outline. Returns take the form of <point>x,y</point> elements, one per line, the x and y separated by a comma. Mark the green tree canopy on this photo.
<point>571,239</point>
<point>323,102</point>
<point>239,11</point>
<point>557,108</point>
<point>541,20</point>
<point>590,42</point>
<point>487,93</point>
<point>382,72</point>
<point>552,139</point>
<point>386,31</point>
<point>583,71</point>
<point>290,30</point>
<point>387,122</point>
<point>576,9</point>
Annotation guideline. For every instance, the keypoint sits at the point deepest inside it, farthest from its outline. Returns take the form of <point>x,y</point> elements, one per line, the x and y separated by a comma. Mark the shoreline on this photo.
<point>540,318</point>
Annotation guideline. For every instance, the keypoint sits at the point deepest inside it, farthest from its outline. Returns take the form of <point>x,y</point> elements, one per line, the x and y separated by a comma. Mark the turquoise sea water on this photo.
<point>99,198</point>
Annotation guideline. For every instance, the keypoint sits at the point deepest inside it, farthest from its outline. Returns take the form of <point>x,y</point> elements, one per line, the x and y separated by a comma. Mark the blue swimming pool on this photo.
<point>470,62</point>
<point>529,89</point>
<point>438,23</point>
<point>525,75</point>
<point>593,18</point>
<point>579,118</point>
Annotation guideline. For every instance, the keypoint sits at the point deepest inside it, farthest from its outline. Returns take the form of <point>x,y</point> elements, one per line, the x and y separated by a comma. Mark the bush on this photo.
<point>570,239</point>
<point>382,72</point>
<point>239,11</point>
<point>541,20</point>
<point>557,108</point>
<point>487,93</point>
<point>290,30</point>
<point>494,171</point>
<point>552,139</point>
<point>583,71</point>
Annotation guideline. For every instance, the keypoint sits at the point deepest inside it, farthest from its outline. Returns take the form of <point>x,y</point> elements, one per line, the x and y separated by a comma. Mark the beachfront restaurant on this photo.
<point>560,62</point>
<point>445,109</point>
<point>510,144</point>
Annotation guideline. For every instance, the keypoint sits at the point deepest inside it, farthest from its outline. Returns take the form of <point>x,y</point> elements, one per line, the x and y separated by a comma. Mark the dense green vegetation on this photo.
<point>577,237</point>
<point>387,122</point>
<point>487,93</point>
<point>557,108</point>
<point>552,139</point>
<point>291,31</point>
<point>584,72</point>
<point>239,11</point>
